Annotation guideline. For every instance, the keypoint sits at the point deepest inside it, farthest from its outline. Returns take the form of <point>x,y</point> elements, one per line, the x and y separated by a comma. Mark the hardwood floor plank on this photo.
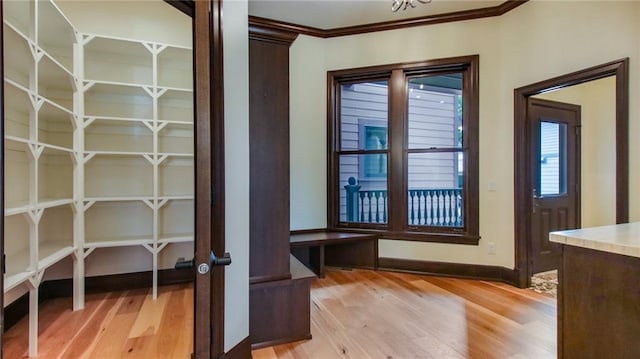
<point>86,338</point>
<point>64,326</point>
<point>399,315</point>
<point>150,315</point>
<point>354,314</point>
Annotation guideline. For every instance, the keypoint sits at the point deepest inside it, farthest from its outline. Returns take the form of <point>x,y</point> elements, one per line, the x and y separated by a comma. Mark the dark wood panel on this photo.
<point>269,159</point>
<point>361,254</point>
<point>599,305</point>
<point>280,311</point>
<point>242,350</point>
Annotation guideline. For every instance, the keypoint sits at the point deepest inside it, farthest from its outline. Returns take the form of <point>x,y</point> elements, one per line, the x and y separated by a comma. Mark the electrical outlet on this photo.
<point>492,248</point>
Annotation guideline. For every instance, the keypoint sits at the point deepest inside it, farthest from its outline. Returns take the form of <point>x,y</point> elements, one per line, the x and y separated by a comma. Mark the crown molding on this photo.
<point>492,11</point>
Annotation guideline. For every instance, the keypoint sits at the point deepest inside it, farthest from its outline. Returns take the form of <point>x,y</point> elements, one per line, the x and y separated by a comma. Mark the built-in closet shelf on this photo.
<point>19,62</point>
<point>175,68</point>
<point>110,242</point>
<point>110,59</point>
<point>119,135</point>
<point>14,279</point>
<point>176,106</point>
<point>113,99</point>
<point>18,112</point>
<point>51,253</point>
<point>19,15</point>
<point>98,147</point>
<point>19,269</point>
<point>176,238</point>
<point>56,35</point>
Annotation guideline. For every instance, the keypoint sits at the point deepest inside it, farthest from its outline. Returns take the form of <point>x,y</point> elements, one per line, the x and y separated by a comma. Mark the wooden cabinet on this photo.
<point>598,293</point>
<point>98,146</point>
<point>279,302</point>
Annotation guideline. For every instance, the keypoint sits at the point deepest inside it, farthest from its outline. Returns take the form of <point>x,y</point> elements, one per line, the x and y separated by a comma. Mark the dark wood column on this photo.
<point>279,306</point>
<point>269,154</point>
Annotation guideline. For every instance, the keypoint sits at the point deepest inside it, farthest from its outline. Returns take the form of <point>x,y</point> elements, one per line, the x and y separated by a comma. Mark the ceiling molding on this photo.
<point>273,34</point>
<point>498,10</point>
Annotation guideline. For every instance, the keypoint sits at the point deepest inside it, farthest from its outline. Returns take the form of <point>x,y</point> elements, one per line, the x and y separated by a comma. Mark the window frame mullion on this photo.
<point>397,184</point>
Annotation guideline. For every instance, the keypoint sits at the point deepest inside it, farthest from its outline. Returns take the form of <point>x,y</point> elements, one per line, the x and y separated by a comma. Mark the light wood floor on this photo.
<point>365,314</point>
<point>113,325</point>
<point>355,314</point>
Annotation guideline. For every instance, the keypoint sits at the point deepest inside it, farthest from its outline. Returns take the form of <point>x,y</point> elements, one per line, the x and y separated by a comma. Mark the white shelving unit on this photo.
<point>98,147</point>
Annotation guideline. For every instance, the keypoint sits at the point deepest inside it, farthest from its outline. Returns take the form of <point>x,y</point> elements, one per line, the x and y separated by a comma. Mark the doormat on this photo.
<point>545,283</point>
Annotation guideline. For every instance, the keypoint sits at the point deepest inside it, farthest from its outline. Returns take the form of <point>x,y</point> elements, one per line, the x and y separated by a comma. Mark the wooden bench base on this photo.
<point>340,249</point>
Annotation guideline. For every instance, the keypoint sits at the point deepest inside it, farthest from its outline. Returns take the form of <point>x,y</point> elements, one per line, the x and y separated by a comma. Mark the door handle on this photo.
<point>203,268</point>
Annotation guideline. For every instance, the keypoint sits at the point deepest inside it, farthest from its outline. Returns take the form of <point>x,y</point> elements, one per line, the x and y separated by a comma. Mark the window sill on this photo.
<point>448,238</point>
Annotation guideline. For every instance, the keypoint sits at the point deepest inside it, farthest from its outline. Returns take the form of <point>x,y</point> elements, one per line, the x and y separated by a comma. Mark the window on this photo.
<point>403,158</point>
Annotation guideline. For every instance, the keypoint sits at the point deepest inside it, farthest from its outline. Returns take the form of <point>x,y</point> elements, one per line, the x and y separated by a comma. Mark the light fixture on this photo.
<point>403,4</point>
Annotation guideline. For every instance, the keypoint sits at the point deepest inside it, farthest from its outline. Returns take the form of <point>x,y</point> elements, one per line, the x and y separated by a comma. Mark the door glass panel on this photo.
<point>553,172</point>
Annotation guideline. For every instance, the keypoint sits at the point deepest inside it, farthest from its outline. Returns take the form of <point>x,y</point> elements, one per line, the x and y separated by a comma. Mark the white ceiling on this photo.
<point>330,14</point>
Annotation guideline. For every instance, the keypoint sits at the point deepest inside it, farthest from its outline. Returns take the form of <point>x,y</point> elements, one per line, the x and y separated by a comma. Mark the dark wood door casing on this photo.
<point>209,163</point>
<point>522,160</point>
<point>560,211</point>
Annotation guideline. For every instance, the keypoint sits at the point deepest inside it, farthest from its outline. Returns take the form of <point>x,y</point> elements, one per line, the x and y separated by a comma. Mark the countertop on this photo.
<point>620,238</point>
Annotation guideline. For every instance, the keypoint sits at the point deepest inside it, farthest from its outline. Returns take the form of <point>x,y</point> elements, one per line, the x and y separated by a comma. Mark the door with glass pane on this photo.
<point>555,131</point>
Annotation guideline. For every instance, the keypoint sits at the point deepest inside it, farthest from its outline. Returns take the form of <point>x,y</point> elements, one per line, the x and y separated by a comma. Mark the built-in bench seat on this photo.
<point>342,249</point>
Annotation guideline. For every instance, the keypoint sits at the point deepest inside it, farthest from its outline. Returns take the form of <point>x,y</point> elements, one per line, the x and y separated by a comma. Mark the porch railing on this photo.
<point>441,207</point>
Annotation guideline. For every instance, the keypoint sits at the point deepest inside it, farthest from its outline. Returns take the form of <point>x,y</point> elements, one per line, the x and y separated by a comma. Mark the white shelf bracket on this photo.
<point>86,39</point>
<point>161,48</point>
<point>148,203</point>
<point>149,91</point>
<point>162,158</point>
<point>88,204</point>
<point>87,85</point>
<point>37,54</point>
<point>161,92</point>
<point>161,126</point>
<point>149,47</point>
<point>161,247</point>
<point>149,248</point>
<point>149,158</point>
<point>37,102</point>
<point>88,121</point>
<point>149,125</point>
<point>89,156</point>
<point>35,280</point>
<point>162,202</point>
<point>88,251</point>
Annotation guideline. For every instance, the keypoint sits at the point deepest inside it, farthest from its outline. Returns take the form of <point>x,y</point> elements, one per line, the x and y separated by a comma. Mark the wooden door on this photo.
<point>209,160</point>
<point>555,179</point>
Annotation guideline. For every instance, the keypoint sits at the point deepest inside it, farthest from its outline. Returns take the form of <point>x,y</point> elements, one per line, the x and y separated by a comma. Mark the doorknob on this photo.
<point>203,268</point>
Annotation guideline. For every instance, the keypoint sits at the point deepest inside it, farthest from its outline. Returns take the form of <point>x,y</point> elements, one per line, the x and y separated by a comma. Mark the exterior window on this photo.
<point>404,158</point>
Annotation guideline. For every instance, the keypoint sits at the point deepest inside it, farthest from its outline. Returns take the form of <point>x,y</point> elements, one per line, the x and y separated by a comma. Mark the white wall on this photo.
<point>236,108</point>
<point>536,41</point>
<point>597,100</point>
